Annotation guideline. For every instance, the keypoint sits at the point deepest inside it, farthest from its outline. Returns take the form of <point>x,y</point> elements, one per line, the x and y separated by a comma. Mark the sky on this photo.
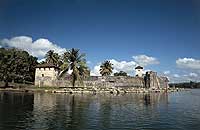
<point>161,35</point>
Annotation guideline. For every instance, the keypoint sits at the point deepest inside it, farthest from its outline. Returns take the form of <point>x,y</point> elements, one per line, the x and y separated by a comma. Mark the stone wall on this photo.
<point>118,81</point>
<point>45,76</point>
<point>151,80</point>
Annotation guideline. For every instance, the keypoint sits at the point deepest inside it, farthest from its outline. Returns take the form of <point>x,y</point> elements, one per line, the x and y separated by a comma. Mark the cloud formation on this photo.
<point>190,70</point>
<point>95,71</point>
<point>193,74</point>
<point>176,75</point>
<point>126,66</point>
<point>145,60</point>
<point>188,63</point>
<point>182,77</point>
<point>166,72</point>
<point>36,48</point>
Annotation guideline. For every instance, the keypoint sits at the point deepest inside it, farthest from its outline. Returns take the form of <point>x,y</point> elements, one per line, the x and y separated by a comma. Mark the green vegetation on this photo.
<point>16,66</point>
<point>53,58</point>
<point>106,68</point>
<point>186,85</point>
<point>73,60</point>
<point>121,73</point>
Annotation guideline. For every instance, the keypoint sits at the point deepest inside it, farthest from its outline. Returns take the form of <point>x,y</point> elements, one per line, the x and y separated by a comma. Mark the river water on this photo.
<point>46,111</point>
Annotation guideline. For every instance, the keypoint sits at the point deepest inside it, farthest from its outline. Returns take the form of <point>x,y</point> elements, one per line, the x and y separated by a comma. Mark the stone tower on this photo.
<point>46,74</point>
<point>139,71</point>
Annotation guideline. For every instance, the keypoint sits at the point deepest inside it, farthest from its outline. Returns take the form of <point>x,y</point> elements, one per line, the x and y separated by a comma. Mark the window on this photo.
<point>42,75</point>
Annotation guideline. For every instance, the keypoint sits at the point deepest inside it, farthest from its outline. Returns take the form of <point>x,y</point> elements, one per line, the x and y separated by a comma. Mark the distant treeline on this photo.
<point>186,85</point>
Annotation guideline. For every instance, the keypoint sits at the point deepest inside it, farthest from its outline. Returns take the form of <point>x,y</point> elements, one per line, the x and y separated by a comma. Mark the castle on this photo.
<point>47,75</point>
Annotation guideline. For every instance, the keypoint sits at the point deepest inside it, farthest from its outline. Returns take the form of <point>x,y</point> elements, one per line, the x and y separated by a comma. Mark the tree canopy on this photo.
<point>16,65</point>
<point>73,60</point>
<point>106,68</point>
<point>53,58</point>
<point>121,73</point>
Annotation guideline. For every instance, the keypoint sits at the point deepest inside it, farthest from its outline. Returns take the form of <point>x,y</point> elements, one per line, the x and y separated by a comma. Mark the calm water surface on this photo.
<point>44,111</point>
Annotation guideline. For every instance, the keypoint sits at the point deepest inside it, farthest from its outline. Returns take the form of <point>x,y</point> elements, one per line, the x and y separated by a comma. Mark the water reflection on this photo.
<point>15,110</point>
<point>80,111</point>
<point>95,112</point>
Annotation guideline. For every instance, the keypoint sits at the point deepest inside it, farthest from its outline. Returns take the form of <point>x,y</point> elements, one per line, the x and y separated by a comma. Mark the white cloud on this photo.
<point>176,75</point>
<point>36,48</point>
<point>126,66</point>
<point>184,77</point>
<point>166,72</point>
<point>41,60</point>
<point>145,60</point>
<point>190,67</point>
<point>188,63</point>
<point>193,74</point>
<point>95,71</point>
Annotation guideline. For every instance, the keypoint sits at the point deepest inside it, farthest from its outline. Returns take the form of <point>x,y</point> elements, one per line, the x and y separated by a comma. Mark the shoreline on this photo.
<point>82,90</point>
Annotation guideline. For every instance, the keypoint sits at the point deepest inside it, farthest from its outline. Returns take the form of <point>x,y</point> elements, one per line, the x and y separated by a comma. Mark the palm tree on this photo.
<point>73,60</point>
<point>52,58</point>
<point>106,68</point>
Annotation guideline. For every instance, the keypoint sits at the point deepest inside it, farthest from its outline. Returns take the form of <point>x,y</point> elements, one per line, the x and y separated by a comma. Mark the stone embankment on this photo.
<point>93,90</point>
<point>106,90</point>
<point>111,90</point>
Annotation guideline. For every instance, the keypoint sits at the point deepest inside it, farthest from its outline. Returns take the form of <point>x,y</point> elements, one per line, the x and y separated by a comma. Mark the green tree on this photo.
<point>73,60</point>
<point>53,58</point>
<point>106,68</point>
<point>16,65</point>
<point>121,73</point>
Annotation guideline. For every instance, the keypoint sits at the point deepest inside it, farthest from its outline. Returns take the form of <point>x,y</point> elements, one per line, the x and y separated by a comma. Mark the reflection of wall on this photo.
<point>66,111</point>
<point>15,110</point>
<point>43,99</point>
<point>154,99</point>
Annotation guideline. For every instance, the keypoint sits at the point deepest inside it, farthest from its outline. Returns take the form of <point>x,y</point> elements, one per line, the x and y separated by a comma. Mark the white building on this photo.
<point>45,74</point>
<point>139,71</point>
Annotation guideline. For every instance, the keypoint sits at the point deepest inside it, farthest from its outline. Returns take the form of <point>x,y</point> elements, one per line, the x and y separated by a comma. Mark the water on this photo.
<point>45,111</point>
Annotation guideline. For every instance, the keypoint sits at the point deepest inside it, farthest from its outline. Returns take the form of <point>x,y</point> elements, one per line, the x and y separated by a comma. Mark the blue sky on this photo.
<point>165,30</point>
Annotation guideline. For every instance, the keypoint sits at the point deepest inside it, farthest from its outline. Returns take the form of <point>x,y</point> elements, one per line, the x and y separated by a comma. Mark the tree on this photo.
<point>73,60</point>
<point>16,65</point>
<point>121,73</point>
<point>106,68</point>
<point>53,58</point>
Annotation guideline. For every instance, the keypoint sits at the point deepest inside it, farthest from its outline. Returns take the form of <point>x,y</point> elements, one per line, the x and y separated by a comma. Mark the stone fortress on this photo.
<point>47,75</point>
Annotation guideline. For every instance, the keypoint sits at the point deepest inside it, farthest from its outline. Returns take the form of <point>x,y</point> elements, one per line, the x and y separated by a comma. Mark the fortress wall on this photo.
<point>111,81</point>
<point>100,82</point>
